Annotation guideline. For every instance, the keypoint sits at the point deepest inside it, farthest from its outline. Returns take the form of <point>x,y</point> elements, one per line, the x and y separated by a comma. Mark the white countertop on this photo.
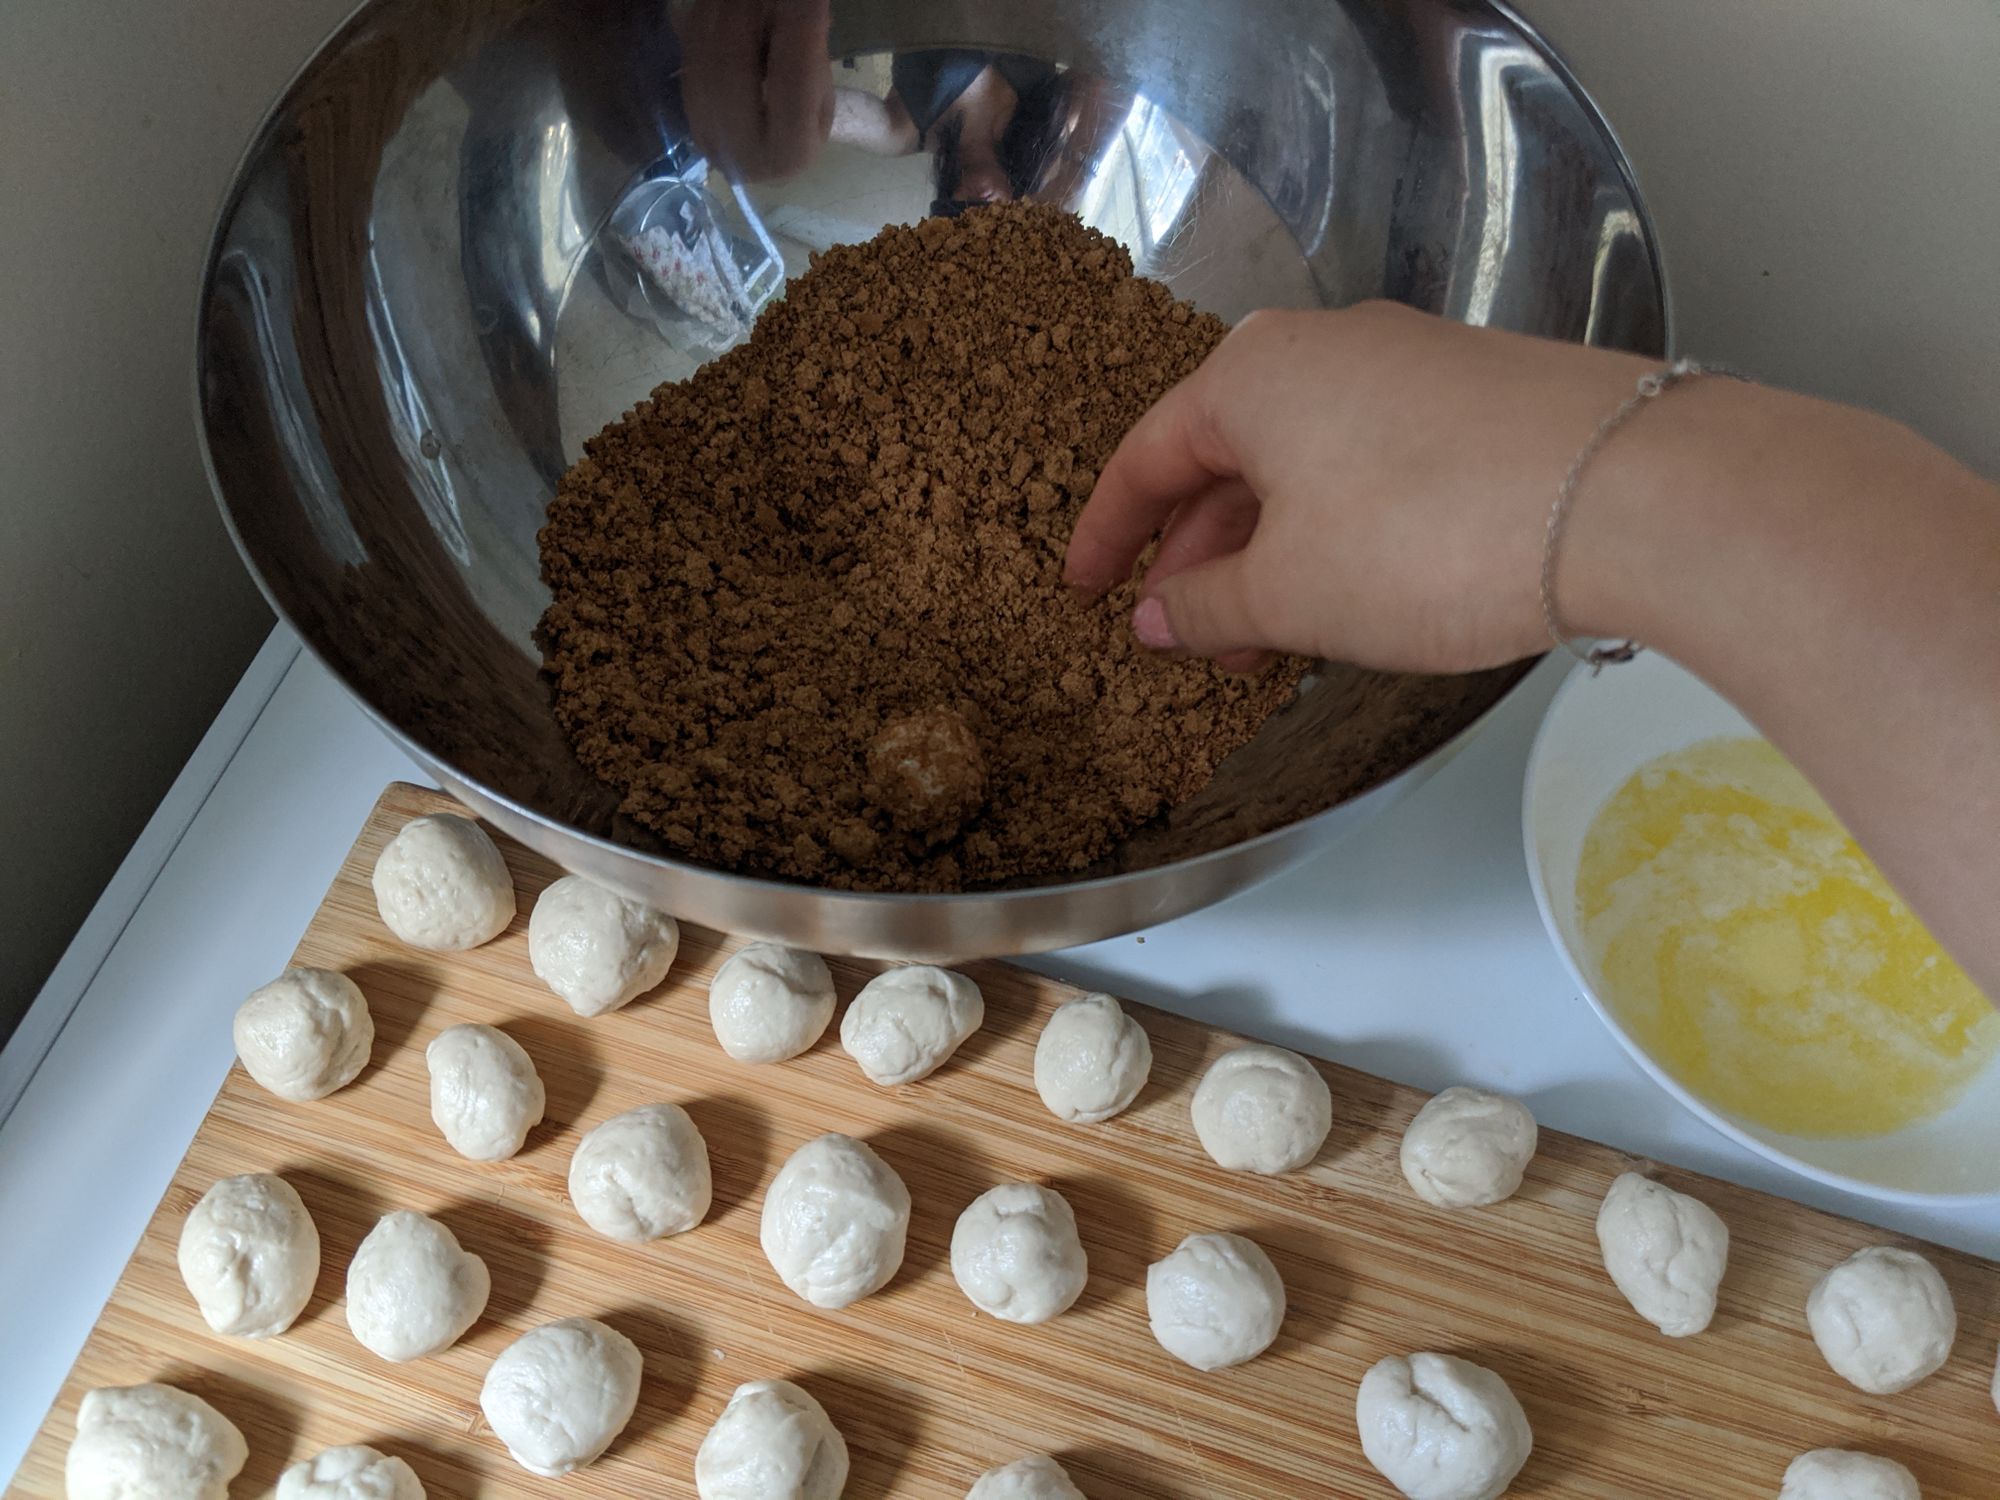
<point>1412,951</point>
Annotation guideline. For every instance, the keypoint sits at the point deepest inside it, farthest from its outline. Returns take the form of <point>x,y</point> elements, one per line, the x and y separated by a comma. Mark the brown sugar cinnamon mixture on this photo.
<point>808,606</point>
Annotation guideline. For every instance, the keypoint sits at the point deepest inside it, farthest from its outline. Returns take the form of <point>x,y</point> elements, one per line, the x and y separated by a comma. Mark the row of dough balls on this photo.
<point>1258,1109</point>
<point>1883,1318</point>
<point>773,1441</point>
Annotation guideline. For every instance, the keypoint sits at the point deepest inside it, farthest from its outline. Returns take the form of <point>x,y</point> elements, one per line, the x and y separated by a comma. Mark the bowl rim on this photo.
<point>1574,682</point>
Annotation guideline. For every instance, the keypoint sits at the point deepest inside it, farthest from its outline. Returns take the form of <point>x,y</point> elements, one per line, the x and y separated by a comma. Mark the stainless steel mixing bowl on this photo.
<point>472,232</point>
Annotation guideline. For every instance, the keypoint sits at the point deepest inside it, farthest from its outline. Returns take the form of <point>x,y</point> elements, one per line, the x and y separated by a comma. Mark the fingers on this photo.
<point>721,80</point>
<point>757,83</point>
<point>1216,522</point>
<point>1152,628</point>
<point>1170,456</point>
<point>798,84</point>
<point>1208,610</point>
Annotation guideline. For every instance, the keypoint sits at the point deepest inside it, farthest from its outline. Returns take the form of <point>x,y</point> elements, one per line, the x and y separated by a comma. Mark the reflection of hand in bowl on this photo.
<point>1600,731</point>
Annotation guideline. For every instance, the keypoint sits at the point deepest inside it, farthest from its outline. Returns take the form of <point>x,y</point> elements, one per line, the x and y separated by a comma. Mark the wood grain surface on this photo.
<point>928,1392</point>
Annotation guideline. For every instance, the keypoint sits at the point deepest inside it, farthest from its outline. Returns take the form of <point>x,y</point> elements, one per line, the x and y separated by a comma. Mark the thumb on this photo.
<point>1207,610</point>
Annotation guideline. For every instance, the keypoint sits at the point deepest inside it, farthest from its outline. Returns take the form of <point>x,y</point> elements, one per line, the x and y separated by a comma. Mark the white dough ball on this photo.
<point>485,1093</point>
<point>412,1290</point>
<point>772,1442</point>
<point>559,1394</point>
<point>1838,1474</point>
<point>1216,1301</point>
<point>1016,1255</point>
<point>1883,1318</point>
<point>1262,1109</point>
<point>1091,1060</point>
<point>355,1472</point>
<point>305,1034</point>
<point>1037,1477</point>
<point>1666,1252</point>
<point>906,1023</point>
<point>151,1441</point>
<point>597,949</point>
<point>249,1253</point>
<point>441,884</point>
<point>1441,1428</point>
<point>769,1003</point>
<point>836,1220</point>
<point>1468,1148</point>
<point>642,1174</point>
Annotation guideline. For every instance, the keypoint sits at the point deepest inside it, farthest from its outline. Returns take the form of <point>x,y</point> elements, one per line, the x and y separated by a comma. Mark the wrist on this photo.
<point>1678,524</point>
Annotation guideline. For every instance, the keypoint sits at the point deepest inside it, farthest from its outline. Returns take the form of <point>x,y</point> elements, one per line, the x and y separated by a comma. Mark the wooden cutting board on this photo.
<point>928,1392</point>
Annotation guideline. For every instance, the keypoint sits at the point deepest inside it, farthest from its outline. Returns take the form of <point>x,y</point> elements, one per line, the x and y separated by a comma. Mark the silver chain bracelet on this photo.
<point>1652,384</point>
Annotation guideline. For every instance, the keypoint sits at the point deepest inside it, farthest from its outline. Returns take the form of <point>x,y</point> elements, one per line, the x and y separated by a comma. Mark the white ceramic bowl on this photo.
<point>1599,730</point>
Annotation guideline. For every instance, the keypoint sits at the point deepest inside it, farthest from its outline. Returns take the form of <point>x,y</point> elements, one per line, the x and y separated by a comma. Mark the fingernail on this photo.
<point>1151,625</point>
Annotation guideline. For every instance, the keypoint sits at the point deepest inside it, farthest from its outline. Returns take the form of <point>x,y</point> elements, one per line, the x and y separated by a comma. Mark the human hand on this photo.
<point>1370,485</point>
<point>1374,486</point>
<point>756,84</point>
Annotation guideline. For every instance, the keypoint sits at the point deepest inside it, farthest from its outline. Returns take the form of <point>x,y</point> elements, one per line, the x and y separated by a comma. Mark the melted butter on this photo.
<point>1760,958</point>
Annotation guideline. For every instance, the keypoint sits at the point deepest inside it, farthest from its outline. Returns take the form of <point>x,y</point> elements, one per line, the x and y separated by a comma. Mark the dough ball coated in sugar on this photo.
<point>927,772</point>
<point>1262,1109</point>
<point>772,1442</point>
<point>597,949</point>
<point>1666,1252</point>
<point>836,1221</point>
<point>906,1023</point>
<point>1468,1148</point>
<point>152,1441</point>
<point>249,1253</point>
<point>1441,1428</point>
<point>1883,1318</point>
<point>1838,1474</point>
<point>1016,1255</point>
<point>356,1472</point>
<point>1091,1060</point>
<point>1036,1477</point>
<point>485,1093</point>
<point>559,1394</point>
<point>1216,1301</point>
<point>642,1174</point>
<point>441,884</point>
<point>769,1003</point>
<point>305,1034</point>
<point>412,1289</point>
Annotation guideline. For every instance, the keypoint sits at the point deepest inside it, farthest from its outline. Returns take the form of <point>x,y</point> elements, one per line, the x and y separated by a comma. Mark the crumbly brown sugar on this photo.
<point>847,534</point>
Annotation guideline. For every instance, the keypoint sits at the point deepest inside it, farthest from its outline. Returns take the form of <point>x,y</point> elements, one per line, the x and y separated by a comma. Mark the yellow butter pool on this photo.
<point>1759,957</point>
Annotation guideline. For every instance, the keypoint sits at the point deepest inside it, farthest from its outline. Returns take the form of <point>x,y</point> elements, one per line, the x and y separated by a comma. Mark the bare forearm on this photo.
<point>1834,575</point>
<point>1839,580</point>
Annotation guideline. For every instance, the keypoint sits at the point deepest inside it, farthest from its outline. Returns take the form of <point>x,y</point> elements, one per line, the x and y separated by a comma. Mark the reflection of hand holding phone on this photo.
<point>756,84</point>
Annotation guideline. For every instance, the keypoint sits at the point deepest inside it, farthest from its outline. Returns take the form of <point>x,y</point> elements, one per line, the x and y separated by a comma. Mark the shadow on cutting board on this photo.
<point>739,1148</point>
<point>881,1423</point>
<point>673,1348</point>
<point>944,1171</point>
<point>269,1426</point>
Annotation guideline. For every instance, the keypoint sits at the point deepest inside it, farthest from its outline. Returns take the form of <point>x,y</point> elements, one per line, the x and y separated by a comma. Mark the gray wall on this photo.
<point>1822,174</point>
<point>124,617</point>
<point>1821,171</point>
